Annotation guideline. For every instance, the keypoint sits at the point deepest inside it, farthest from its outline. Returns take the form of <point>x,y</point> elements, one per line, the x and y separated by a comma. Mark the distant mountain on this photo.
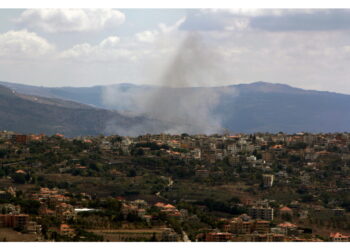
<point>33,114</point>
<point>277,107</point>
<point>247,108</point>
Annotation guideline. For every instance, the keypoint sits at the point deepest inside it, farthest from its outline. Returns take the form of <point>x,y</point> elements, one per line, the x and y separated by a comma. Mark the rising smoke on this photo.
<point>175,106</point>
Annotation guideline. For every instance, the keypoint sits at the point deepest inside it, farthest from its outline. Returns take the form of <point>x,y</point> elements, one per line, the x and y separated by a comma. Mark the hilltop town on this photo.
<point>242,187</point>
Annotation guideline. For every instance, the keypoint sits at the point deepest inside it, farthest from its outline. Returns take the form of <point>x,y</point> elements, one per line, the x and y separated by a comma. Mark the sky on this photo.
<point>305,48</point>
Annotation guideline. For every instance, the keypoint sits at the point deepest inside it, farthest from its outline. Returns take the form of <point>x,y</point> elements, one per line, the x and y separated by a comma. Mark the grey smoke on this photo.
<point>194,63</point>
<point>172,106</point>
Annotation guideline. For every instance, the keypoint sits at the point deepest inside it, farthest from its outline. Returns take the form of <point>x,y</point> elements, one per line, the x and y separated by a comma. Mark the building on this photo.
<point>140,203</point>
<point>22,139</point>
<point>288,228</point>
<point>268,180</point>
<point>196,153</point>
<point>244,225</point>
<point>261,226</point>
<point>170,235</point>
<point>66,230</point>
<point>286,211</point>
<point>8,208</point>
<point>255,237</point>
<point>202,173</point>
<point>239,226</point>
<point>65,211</point>
<point>33,227</point>
<point>218,237</point>
<point>4,195</point>
<point>338,212</point>
<point>339,237</point>
<point>148,234</point>
<point>14,220</point>
<point>262,213</point>
<point>267,156</point>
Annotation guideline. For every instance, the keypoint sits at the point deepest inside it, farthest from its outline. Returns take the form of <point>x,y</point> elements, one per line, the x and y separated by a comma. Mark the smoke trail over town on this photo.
<point>173,105</point>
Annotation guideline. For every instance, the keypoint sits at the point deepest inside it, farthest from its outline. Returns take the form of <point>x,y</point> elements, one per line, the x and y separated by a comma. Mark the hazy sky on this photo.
<point>83,47</point>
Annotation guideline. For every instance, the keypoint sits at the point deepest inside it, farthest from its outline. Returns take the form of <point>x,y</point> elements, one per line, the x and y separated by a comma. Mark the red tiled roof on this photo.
<point>338,235</point>
<point>286,209</point>
<point>159,204</point>
<point>287,224</point>
<point>169,206</point>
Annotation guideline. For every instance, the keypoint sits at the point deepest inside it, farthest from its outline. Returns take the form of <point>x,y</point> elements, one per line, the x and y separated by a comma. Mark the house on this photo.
<point>169,209</point>
<point>170,235</point>
<point>286,210</point>
<point>243,224</point>
<point>66,230</point>
<point>8,208</point>
<point>33,227</point>
<point>147,218</point>
<point>12,191</point>
<point>339,237</point>
<point>20,171</point>
<point>338,212</point>
<point>139,203</point>
<point>56,199</point>
<point>141,212</point>
<point>218,237</point>
<point>196,153</point>
<point>45,211</point>
<point>65,211</point>
<point>287,228</point>
<point>163,206</point>
<point>128,209</point>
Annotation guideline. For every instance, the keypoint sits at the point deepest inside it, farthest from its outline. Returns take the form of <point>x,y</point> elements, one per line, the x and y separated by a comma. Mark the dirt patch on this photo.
<point>8,234</point>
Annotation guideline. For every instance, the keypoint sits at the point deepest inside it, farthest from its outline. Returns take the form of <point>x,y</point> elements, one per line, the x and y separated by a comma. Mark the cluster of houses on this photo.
<point>259,225</point>
<point>246,228</point>
<point>11,215</point>
<point>259,151</point>
<point>56,203</point>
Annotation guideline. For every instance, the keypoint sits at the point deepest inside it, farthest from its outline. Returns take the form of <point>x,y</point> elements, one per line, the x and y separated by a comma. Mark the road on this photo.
<point>184,234</point>
<point>185,237</point>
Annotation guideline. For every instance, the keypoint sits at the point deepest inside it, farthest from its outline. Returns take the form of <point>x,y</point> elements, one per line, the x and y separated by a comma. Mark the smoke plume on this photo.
<point>173,105</point>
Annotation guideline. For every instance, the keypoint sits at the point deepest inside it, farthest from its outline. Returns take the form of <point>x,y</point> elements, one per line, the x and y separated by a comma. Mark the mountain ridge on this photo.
<point>22,87</point>
<point>247,108</point>
<point>33,114</point>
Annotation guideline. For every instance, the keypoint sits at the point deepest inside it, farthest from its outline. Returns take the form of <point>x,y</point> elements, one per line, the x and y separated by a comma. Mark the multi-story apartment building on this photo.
<point>262,213</point>
<point>268,180</point>
<point>14,220</point>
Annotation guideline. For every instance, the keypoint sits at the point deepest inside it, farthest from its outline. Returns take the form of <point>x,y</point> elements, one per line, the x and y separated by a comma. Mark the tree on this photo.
<point>154,238</point>
<point>131,173</point>
<point>30,206</point>
<point>3,153</point>
<point>2,173</point>
<point>286,217</point>
<point>19,178</point>
<point>139,152</point>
